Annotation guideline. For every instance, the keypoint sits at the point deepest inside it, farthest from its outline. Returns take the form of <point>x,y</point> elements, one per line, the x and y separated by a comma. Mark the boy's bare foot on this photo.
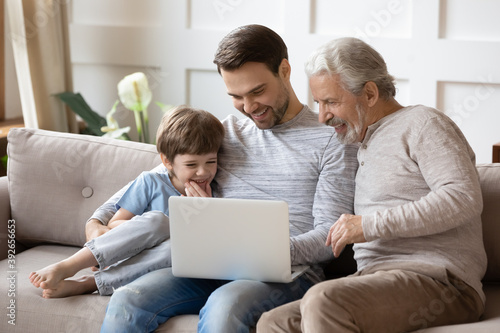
<point>50,276</point>
<point>65,288</point>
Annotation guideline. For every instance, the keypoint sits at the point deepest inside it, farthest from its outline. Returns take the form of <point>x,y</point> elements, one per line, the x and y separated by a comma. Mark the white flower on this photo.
<point>134,92</point>
<point>117,133</point>
<point>135,95</point>
<point>113,130</point>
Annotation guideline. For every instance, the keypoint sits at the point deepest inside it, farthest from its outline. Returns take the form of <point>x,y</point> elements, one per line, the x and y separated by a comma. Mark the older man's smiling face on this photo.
<point>338,107</point>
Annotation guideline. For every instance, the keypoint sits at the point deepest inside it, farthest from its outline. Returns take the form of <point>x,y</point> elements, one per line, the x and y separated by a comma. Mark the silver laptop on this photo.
<point>231,239</point>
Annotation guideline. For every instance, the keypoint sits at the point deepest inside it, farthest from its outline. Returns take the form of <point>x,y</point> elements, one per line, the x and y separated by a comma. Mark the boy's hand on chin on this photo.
<point>194,190</point>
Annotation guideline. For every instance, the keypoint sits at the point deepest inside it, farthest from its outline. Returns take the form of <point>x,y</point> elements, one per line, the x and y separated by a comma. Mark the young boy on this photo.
<point>188,141</point>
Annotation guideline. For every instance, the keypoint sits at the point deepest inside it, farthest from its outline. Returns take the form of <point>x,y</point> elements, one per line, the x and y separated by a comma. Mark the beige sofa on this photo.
<point>54,183</point>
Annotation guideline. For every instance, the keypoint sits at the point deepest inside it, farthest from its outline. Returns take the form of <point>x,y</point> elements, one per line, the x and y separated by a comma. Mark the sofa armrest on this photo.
<point>4,216</point>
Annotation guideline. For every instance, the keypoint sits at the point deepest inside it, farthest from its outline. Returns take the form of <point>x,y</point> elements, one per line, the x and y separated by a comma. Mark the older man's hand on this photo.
<point>347,230</point>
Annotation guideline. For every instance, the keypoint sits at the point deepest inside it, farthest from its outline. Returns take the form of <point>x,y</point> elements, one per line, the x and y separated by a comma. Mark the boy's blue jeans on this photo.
<point>134,248</point>
<point>223,306</point>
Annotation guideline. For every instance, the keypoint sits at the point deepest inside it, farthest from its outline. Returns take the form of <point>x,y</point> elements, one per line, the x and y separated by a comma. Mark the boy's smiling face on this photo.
<point>188,167</point>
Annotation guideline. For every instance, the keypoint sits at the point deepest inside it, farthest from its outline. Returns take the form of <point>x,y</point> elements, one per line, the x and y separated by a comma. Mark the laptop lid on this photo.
<point>230,239</point>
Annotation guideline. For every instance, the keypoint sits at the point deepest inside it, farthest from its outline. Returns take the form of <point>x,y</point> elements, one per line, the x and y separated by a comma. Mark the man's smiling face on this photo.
<point>257,93</point>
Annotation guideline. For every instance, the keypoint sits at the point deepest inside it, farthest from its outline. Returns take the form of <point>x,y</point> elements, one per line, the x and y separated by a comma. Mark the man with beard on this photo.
<point>280,152</point>
<point>417,225</point>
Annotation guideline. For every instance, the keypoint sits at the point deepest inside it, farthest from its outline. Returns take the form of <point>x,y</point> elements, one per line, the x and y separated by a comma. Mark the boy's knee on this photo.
<point>158,222</point>
<point>156,216</point>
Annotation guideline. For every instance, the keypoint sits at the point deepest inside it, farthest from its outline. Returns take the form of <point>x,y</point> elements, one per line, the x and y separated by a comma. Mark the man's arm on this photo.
<point>334,196</point>
<point>98,222</point>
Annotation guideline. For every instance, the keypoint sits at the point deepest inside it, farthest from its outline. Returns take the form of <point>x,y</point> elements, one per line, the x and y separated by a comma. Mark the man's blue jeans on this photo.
<point>223,306</point>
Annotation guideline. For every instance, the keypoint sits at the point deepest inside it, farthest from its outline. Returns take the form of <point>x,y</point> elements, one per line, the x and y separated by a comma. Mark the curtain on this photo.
<point>40,39</point>
<point>2,63</point>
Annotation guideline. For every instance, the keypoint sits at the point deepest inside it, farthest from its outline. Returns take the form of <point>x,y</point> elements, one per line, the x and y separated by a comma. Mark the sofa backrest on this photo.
<point>57,180</point>
<point>489,175</point>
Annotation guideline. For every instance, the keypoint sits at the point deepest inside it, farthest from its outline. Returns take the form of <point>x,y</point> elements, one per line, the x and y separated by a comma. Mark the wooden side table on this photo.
<point>6,125</point>
<point>496,153</point>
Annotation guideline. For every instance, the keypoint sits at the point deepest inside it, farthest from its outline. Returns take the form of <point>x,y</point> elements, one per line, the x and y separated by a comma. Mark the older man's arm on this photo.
<point>447,164</point>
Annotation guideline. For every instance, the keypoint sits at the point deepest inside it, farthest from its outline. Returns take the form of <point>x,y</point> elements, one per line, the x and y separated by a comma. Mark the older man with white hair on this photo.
<point>416,226</point>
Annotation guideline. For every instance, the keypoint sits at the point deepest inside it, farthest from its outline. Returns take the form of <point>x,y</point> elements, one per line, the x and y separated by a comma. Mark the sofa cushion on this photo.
<point>489,175</point>
<point>67,176</point>
<point>83,313</point>
<point>489,322</point>
<point>36,314</point>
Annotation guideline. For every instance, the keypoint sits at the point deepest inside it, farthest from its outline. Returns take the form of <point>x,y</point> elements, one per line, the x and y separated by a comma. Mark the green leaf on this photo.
<point>164,107</point>
<point>77,103</point>
<point>138,124</point>
<point>4,161</point>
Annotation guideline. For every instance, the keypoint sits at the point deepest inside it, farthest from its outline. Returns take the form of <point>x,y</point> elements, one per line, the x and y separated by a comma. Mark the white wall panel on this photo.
<point>363,19</point>
<point>116,12</point>
<point>403,91</point>
<point>207,91</point>
<point>470,20</point>
<point>105,44</point>
<point>430,46</point>
<point>475,108</point>
<point>229,14</point>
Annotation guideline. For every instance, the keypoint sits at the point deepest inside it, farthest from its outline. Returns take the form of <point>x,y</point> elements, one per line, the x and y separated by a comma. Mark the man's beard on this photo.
<point>352,134</point>
<point>280,112</point>
<point>277,113</point>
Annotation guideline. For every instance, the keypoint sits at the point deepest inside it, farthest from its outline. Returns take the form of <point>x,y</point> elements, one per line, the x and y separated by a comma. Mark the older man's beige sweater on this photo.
<point>418,192</point>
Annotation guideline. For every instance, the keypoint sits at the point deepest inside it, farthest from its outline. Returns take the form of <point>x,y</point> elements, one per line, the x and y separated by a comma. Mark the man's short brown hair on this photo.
<point>251,43</point>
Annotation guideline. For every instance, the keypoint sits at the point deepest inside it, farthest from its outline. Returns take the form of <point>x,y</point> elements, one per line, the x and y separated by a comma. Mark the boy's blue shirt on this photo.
<point>149,191</point>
